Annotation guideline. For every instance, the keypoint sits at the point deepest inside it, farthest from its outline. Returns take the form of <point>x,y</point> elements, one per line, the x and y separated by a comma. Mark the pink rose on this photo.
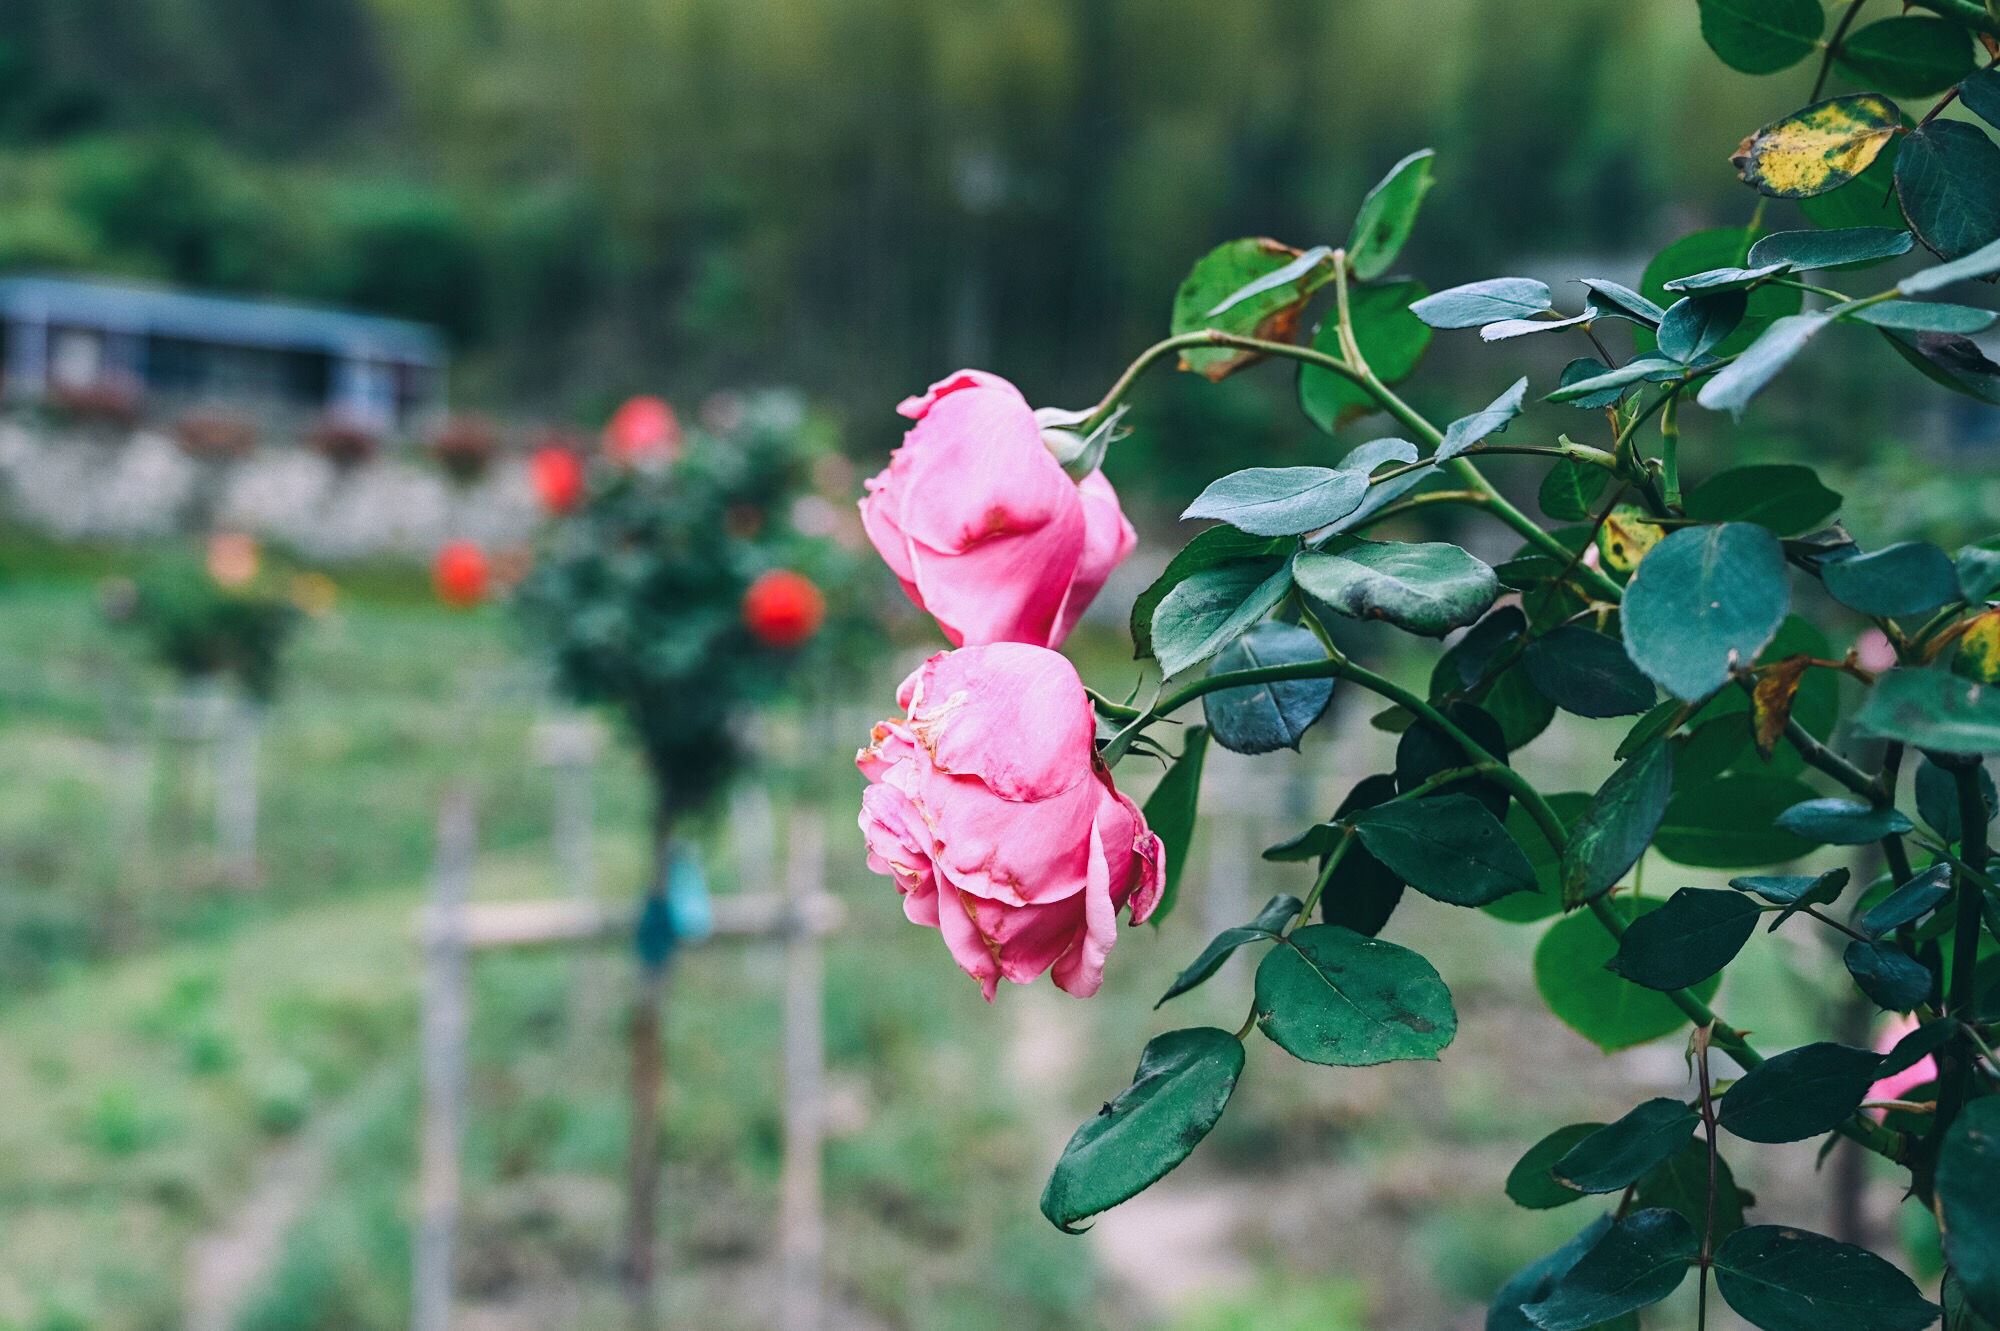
<point>982,525</point>
<point>989,807</point>
<point>1921,1072</point>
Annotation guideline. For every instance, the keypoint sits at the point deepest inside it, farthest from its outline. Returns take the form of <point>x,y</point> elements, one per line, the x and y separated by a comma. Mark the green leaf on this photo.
<point>1639,1261</point>
<point>1425,751</point>
<point>1761,36</point>
<point>1955,362</point>
<point>1614,382</point>
<point>1718,281</point>
<point>1571,489</point>
<point>1506,330</point>
<point>1707,250</point>
<point>1466,431</point>
<point>1181,1088</point>
<point>1429,588</point>
<point>1608,1010</point>
<point>1909,57</point>
<point>1531,1185</point>
<point>1804,251</point>
<point>1704,601</point>
<point>1392,340</point>
<point>1959,1314</point>
<point>1693,936</point>
<point>1979,573</point>
<point>1982,262</point>
<point>1892,979</point>
<point>1212,608</point>
<point>1485,302</point>
<point>1937,798</point>
<point>1980,95</point>
<point>1532,1283</point>
<point>1932,709</point>
<point>1329,995</point>
<point>1270,922</point>
<point>1449,847</point>
<point>1801,1093</point>
<point>1387,215</point>
<point>1795,889</point>
<point>1910,902</point>
<point>1819,148</point>
<point>1615,1157</point>
<point>1280,501</point>
<point>1759,363</point>
<point>1209,549</point>
<point>1271,313</point>
<point>1841,822</point>
<point>1785,1279</point>
<point>1587,673</point>
<point>1696,325</point>
<point>1680,1182</point>
<point>1366,458</point>
<point>1546,899</point>
<point>1730,823</point>
<point>1948,180</point>
<point>1919,316</point>
<point>1910,578</point>
<point>1618,826</point>
<point>1171,811</point>
<point>1968,1195</point>
<point>1262,718</point>
<point>1785,497</point>
<point>1363,892</point>
<point>1616,299</point>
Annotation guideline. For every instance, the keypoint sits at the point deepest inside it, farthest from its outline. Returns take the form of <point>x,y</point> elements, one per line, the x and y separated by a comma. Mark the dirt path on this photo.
<point>228,1265</point>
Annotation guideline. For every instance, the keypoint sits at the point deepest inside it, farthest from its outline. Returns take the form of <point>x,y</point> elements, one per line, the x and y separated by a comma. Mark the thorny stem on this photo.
<point>1955,1065</point>
<point>1833,48</point>
<point>1701,1039</point>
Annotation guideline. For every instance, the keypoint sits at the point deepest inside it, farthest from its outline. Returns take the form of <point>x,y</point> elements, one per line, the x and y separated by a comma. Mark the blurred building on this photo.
<point>170,350</point>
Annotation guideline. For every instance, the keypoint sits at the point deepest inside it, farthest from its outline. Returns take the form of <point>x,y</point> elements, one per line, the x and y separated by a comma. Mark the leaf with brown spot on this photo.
<point>1771,703</point>
<point>1625,538</point>
<point>1819,148</point>
<point>1214,296</point>
<point>1979,648</point>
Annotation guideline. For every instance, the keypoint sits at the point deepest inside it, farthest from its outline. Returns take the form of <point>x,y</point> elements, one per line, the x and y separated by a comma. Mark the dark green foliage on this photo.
<point>1330,995</point>
<point>637,598</point>
<point>1263,717</point>
<point>1693,936</point>
<point>199,628</point>
<point>1639,1261</point>
<point>1784,1279</point>
<point>1799,1094</point>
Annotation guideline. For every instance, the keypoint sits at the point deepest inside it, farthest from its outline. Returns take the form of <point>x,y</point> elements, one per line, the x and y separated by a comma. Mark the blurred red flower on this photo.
<point>557,475</point>
<point>460,574</point>
<point>783,608</point>
<point>643,432</point>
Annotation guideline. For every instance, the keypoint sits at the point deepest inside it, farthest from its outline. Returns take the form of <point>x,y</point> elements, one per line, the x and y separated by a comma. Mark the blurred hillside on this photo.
<point>828,191</point>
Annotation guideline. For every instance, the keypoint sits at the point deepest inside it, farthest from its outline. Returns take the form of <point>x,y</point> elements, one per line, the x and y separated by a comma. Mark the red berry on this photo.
<point>783,608</point>
<point>460,574</point>
<point>557,474</point>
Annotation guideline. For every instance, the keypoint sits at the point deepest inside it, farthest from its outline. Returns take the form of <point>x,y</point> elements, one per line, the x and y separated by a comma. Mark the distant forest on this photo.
<point>593,196</point>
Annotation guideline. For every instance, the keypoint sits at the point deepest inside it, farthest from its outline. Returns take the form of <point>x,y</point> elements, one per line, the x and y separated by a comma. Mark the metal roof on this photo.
<point>230,321</point>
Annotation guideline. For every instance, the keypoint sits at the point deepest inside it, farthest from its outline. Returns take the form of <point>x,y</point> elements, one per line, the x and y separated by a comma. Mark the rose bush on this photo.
<point>1787,692</point>
<point>989,807</point>
<point>981,524</point>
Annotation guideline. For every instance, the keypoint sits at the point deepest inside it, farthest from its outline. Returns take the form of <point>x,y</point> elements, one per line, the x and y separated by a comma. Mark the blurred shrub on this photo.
<point>465,447</point>
<point>215,434</point>
<point>198,628</point>
<point>343,442</point>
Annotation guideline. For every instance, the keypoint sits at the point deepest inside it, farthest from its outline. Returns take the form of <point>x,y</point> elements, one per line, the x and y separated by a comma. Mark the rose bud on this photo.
<point>783,608</point>
<point>557,475</point>
<point>981,524</point>
<point>990,809</point>
<point>459,574</point>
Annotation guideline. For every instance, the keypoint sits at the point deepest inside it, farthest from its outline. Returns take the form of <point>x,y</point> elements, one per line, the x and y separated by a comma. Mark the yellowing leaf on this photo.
<point>1771,703</point>
<point>1820,148</point>
<point>1625,538</point>
<point>1979,648</point>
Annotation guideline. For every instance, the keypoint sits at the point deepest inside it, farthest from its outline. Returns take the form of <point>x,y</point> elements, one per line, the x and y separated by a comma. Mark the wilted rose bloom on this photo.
<point>643,432</point>
<point>232,558</point>
<point>460,574</point>
<point>981,524</point>
<point>988,806</point>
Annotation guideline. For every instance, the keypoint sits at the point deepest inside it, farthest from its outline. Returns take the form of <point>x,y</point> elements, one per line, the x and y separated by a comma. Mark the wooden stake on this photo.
<point>648,1071</point>
<point>443,1035</point>
<point>801,1221</point>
